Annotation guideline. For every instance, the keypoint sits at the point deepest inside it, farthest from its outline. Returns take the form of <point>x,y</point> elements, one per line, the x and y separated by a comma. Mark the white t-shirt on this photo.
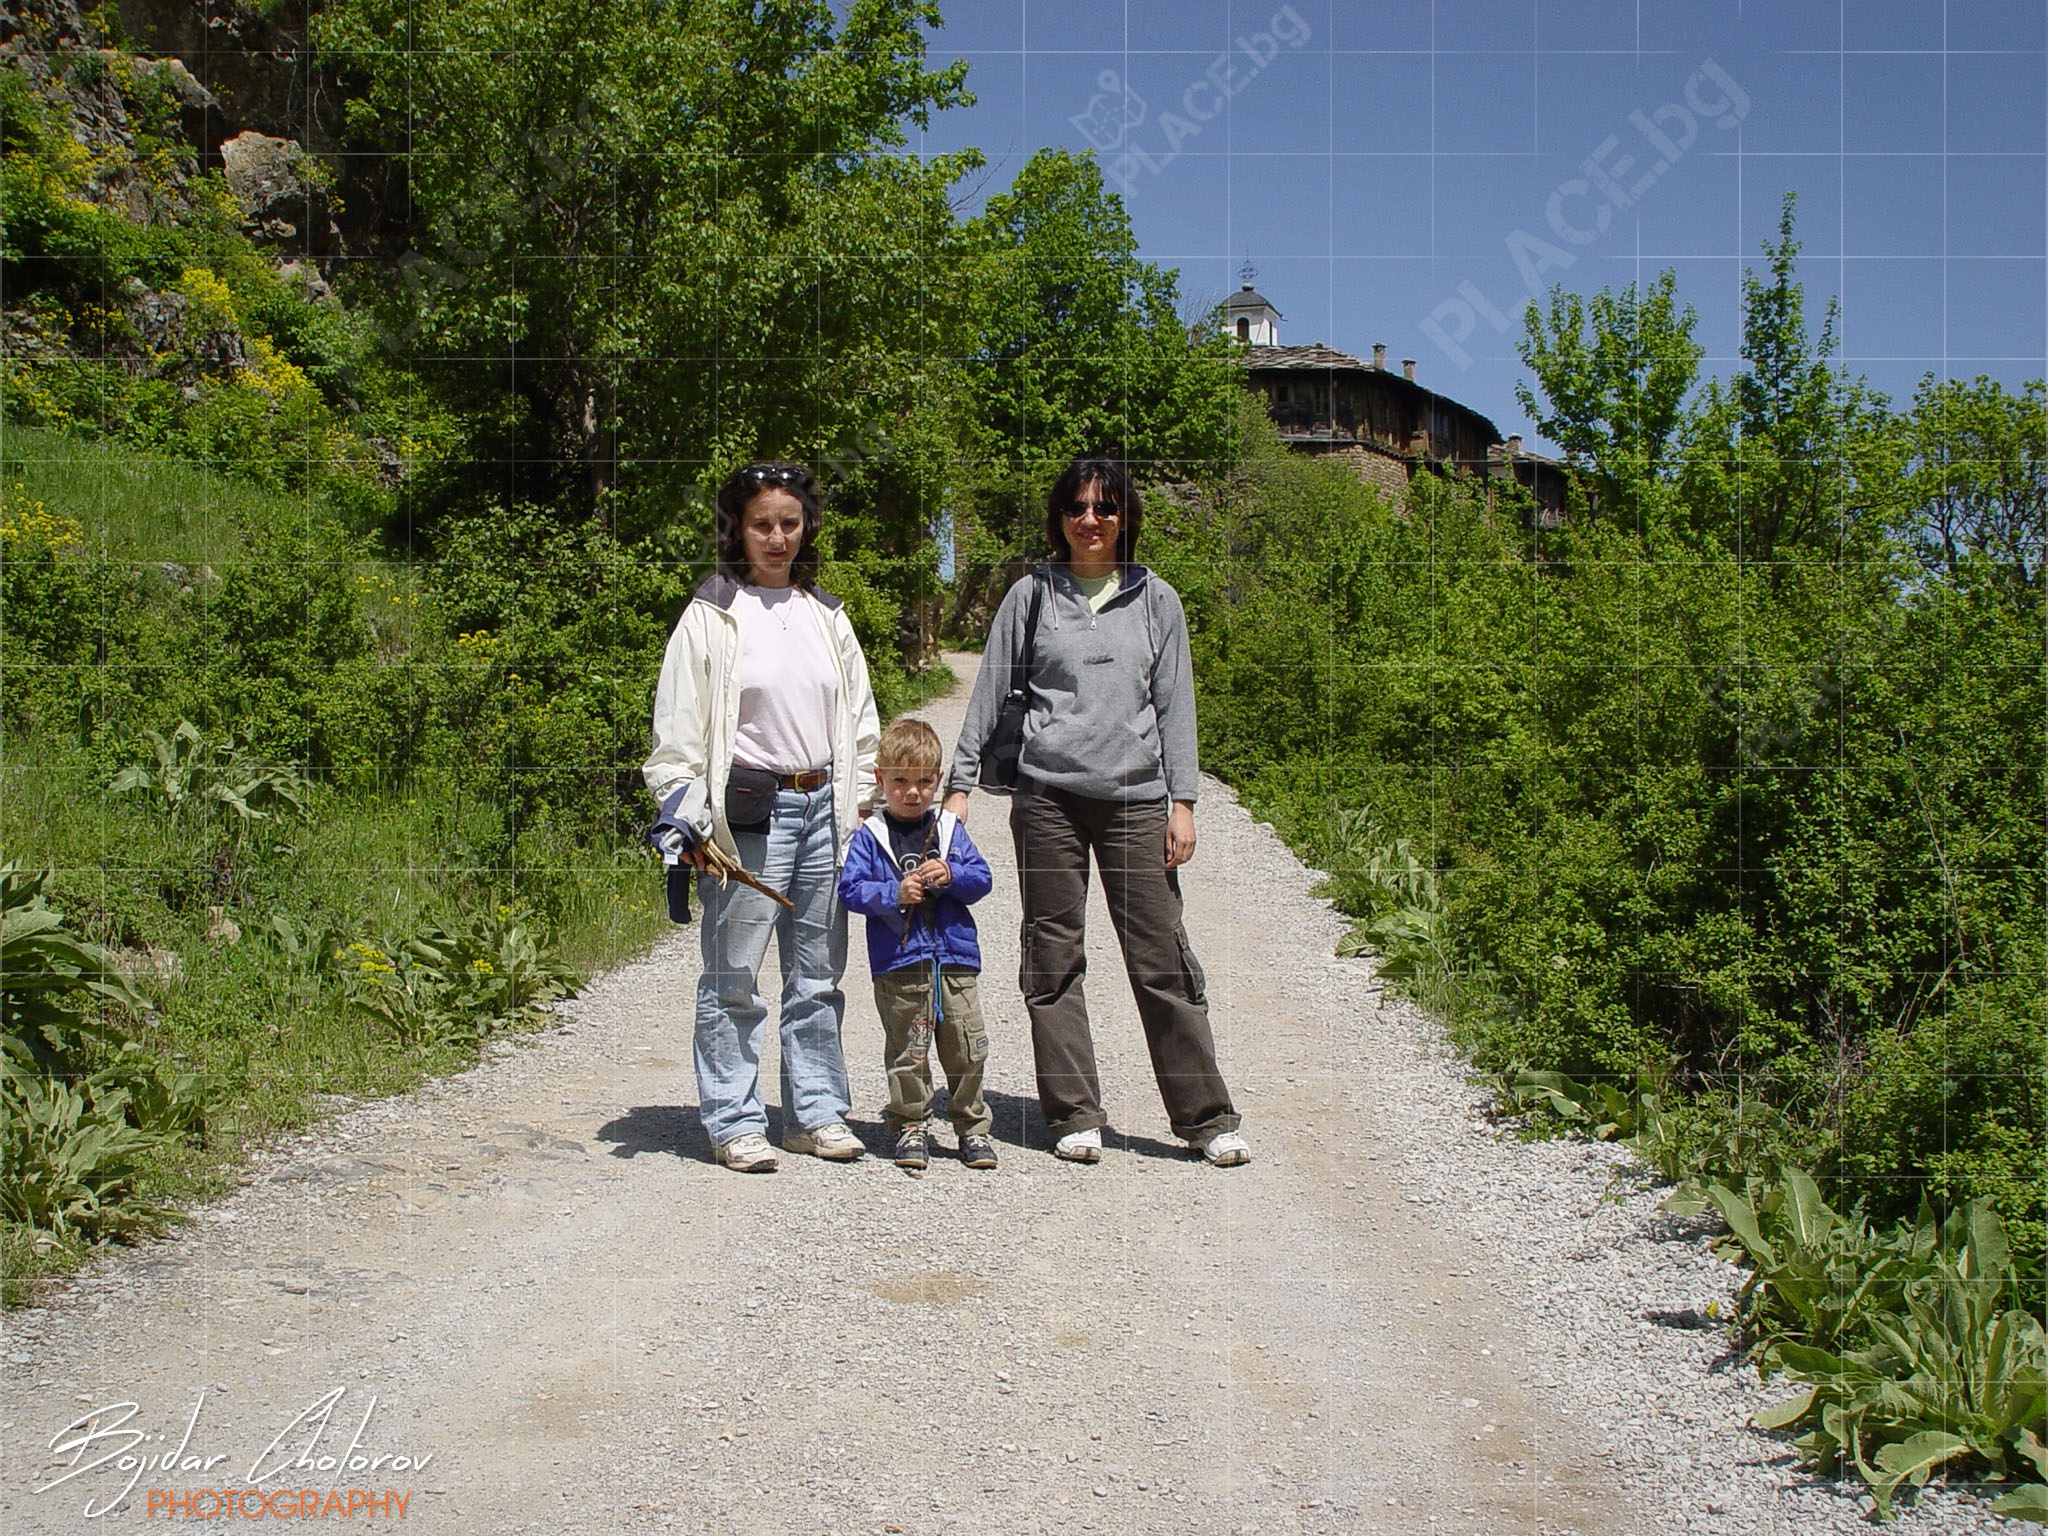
<point>789,689</point>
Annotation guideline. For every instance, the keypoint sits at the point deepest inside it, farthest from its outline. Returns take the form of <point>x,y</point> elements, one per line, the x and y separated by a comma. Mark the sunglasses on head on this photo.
<point>774,474</point>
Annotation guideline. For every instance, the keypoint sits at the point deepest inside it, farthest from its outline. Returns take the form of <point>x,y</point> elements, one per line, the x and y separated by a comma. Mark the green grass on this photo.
<point>275,1037</point>
<point>272,1034</point>
<point>133,506</point>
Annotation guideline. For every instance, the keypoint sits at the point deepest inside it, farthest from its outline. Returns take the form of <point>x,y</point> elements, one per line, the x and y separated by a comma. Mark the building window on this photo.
<point>1244,328</point>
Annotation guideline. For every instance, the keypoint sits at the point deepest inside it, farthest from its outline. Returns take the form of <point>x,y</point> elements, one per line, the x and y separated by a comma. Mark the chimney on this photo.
<point>1514,445</point>
<point>1379,355</point>
<point>1408,369</point>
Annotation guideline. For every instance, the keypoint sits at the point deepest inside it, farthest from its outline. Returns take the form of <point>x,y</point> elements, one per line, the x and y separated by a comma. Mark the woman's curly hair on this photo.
<point>739,491</point>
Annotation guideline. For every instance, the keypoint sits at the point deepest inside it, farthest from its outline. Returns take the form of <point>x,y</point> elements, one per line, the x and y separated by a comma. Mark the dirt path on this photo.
<point>585,1326</point>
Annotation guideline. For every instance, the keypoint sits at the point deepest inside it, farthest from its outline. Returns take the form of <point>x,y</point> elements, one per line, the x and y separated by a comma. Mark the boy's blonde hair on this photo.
<point>908,744</point>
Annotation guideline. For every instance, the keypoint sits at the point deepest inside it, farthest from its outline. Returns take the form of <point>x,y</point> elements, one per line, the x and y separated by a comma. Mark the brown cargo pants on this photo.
<point>1055,833</point>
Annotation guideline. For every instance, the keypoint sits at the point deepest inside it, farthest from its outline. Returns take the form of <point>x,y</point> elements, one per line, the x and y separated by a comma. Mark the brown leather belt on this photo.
<point>809,779</point>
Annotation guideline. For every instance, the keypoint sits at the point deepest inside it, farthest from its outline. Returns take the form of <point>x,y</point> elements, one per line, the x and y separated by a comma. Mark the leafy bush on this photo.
<point>69,1157</point>
<point>1954,1372</point>
<point>52,984</point>
<point>558,640</point>
<point>191,777</point>
<point>1818,1278</point>
<point>1640,872</point>
<point>454,983</point>
<point>81,1107</point>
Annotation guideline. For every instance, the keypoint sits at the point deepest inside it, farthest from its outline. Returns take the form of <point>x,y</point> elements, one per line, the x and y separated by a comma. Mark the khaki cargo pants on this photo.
<point>904,1000</point>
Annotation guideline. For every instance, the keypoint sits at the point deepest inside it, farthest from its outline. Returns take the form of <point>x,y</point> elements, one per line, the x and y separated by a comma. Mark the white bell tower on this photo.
<point>1248,317</point>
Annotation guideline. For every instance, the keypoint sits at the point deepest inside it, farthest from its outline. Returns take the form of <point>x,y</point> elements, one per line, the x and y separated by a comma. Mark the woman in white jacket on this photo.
<point>764,742</point>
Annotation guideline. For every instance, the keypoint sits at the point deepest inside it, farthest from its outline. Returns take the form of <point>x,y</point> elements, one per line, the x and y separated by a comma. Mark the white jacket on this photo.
<point>697,713</point>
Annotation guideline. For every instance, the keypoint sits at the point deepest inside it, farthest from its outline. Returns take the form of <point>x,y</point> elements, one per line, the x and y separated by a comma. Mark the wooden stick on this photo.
<point>726,867</point>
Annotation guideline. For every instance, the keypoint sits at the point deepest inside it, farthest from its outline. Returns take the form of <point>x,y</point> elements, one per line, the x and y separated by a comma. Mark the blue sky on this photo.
<point>1380,164</point>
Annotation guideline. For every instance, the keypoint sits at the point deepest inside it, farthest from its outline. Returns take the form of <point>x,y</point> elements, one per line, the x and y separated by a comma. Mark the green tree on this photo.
<point>683,222</point>
<point>1614,373</point>
<point>1978,486</point>
<point>1791,459</point>
<point>1078,345</point>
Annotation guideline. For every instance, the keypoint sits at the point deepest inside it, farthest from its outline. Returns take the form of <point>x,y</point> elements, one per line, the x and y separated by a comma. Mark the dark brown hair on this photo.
<point>738,493</point>
<point>1115,481</point>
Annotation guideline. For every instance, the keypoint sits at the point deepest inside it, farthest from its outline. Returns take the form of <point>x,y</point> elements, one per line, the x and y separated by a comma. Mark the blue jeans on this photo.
<point>797,856</point>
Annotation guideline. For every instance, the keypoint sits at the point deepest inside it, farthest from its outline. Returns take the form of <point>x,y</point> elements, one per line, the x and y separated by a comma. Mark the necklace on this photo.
<point>774,610</point>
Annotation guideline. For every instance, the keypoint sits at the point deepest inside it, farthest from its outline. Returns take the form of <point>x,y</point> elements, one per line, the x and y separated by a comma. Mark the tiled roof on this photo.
<point>1246,298</point>
<point>1317,356</point>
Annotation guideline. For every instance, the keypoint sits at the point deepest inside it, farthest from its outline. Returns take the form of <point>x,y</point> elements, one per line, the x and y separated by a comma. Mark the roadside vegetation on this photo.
<point>1711,820</point>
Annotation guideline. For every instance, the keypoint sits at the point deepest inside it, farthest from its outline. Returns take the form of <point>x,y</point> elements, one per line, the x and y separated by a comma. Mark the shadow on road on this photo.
<point>672,1128</point>
<point>675,1129</point>
<point>1021,1123</point>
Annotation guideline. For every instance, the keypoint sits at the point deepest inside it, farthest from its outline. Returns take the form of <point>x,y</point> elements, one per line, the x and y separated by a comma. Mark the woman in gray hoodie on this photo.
<point>1108,767</point>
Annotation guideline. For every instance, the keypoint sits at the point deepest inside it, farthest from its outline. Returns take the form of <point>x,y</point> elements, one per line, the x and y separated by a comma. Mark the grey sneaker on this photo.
<point>977,1151</point>
<point>749,1153</point>
<point>1225,1149</point>
<point>833,1142</point>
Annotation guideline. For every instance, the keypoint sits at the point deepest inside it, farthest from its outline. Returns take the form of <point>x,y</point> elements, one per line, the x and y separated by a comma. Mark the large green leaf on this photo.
<point>2026,1503</point>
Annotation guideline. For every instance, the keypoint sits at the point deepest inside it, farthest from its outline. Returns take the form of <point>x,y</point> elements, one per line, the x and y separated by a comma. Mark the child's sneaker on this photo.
<point>1079,1146</point>
<point>977,1152</point>
<point>913,1147</point>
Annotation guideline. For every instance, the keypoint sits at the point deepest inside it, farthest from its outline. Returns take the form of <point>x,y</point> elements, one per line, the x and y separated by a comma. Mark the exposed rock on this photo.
<point>223,353</point>
<point>304,276</point>
<point>50,43</point>
<point>150,964</point>
<point>158,318</point>
<point>199,110</point>
<point>175,78</point>
<point>275,182</point>
<point>220,928</point>
<point>252,58</point>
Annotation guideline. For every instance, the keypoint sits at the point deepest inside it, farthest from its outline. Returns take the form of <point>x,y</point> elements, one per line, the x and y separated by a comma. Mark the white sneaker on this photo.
<point>833,1142</point>
<point>1226,1149</point>
<point>748,1153</point>
<point>1079,1146</point>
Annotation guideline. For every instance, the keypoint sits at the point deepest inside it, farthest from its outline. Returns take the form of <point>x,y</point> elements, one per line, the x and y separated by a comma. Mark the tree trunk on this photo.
<point>597,431</point>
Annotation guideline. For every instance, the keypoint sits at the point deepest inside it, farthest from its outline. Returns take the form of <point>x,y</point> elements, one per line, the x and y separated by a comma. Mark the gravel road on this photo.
<point>531,1284</point>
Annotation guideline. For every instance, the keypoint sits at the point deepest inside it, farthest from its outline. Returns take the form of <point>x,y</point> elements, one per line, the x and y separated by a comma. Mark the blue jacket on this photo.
<point>869,884</point>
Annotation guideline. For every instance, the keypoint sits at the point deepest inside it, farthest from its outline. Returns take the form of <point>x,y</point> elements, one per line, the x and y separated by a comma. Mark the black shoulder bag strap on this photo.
<point>1020,669</point>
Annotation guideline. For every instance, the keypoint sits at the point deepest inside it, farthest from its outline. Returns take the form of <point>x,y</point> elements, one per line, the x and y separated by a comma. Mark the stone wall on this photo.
<point>1377,468</point>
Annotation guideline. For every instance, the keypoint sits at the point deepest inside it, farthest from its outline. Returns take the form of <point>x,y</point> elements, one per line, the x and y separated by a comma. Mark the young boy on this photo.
<point>913,873</point>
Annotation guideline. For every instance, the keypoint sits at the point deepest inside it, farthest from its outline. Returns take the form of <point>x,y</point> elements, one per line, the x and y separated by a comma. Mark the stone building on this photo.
<point>1386,426</point>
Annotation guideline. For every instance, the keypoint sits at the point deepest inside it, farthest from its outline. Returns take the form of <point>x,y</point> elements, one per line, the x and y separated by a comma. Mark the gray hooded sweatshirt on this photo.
<point>1112,694</point>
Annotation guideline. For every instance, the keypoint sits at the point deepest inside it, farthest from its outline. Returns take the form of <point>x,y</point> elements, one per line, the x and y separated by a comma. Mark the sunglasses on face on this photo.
<point>1105,511</point>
